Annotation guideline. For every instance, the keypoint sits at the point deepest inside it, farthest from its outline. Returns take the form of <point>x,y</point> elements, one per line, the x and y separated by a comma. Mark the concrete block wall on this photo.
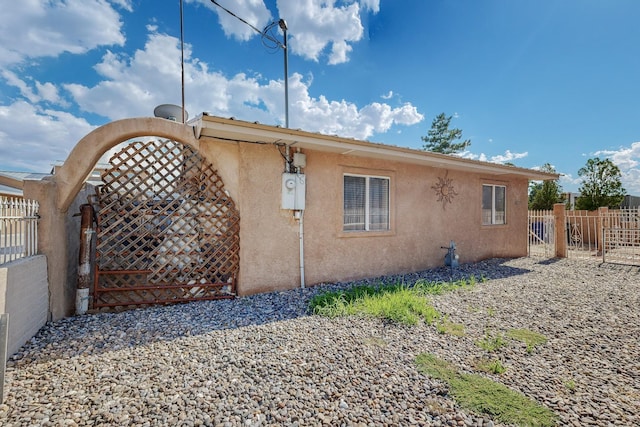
<point>24,295</point>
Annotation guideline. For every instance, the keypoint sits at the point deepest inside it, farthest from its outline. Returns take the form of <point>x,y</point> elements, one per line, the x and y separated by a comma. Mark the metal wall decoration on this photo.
<point>167,231</point>
<point>444,189</point>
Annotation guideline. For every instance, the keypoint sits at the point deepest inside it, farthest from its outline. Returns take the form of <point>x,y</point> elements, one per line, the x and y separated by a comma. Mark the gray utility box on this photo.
<point>293,191</point>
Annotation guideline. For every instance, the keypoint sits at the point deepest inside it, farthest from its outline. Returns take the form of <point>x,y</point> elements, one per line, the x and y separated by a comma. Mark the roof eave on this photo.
<point>231,130</point>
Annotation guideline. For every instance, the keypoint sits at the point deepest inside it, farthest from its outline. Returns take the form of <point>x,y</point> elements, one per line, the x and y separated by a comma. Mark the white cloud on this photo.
<point>628,160</point>
<point>35,132</point>
<point>508,156</point>
<point>41,92</point>
<point>346,119</point>
<point>372,5</point>
<point>254,12</point>
<point>625,157</point>
<point>12,79</point>
<point>49,92</point>
<point>132,86</point>
<point>315,25</point>
<point>389,95</point>
<point>32,139</point>
<point>36,29</point>
<point>631,181</point>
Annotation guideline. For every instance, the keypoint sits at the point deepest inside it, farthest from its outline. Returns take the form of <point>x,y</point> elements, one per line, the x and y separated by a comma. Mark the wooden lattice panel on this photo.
<point>167,229</point>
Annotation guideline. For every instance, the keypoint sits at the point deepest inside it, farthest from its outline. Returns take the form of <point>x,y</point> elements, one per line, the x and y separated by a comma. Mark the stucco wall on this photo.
<point>420,224</point>
<point>24,295</point>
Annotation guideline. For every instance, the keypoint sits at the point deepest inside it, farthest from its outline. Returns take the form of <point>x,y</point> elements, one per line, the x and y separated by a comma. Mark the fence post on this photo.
<point>561,230</point>
<point>601,223</point>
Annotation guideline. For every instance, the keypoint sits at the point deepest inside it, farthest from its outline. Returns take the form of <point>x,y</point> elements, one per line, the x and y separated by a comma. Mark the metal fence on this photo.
<point>621,236</point>
<point>583,234</point>
<point>609,235</point>
<point>18,228</point>
<point>542,234</point>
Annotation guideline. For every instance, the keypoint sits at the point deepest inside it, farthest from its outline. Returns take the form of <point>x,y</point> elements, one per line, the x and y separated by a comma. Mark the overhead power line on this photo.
<point>264,33</point>
<point>267,35</point>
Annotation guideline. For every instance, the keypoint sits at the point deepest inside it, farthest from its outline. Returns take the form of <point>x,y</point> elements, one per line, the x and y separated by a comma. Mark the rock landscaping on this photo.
<point>266,360</point>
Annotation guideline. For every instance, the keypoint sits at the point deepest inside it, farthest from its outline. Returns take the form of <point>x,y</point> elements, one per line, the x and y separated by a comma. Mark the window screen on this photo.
<point>354,202</point>
<point>494,204</point>
<point>378,204</point>
<point>366,203</point>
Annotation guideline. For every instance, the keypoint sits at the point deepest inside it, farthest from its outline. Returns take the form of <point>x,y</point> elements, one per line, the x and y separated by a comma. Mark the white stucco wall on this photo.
<point>24,295</point>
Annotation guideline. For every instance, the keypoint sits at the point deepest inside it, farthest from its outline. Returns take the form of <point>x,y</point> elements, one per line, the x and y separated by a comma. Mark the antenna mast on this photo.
<point>184,118</point>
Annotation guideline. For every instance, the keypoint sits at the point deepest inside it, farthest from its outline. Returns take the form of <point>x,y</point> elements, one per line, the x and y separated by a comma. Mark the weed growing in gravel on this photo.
<point>480,394</point>
<point>530,338</point>
<point>570,385</point>
<point>494,366</point>
<point>491,342</point>
<point>445,326</point>
<point>394,301</point>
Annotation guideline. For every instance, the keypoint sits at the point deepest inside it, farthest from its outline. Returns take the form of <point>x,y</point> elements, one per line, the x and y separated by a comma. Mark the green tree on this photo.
<point>440,138</point>
<point>601,185</point>
<point>543,195</point>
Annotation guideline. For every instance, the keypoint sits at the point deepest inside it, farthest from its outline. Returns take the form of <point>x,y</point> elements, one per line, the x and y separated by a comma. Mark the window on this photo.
<point>366,203</point>
<point>494,204</point>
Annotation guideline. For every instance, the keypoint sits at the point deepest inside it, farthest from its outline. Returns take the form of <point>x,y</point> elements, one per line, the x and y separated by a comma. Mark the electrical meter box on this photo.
<point>293,191</point>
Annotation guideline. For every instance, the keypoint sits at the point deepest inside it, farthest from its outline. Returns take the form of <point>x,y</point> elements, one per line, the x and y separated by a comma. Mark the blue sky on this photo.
<point>550,81</point>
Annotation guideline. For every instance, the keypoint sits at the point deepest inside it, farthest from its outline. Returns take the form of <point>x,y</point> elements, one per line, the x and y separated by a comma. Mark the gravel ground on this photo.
<point>263,360</point>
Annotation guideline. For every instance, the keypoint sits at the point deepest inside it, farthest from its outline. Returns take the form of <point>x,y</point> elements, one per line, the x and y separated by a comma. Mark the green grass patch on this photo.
<point>397,302</point>
<point>479,394</point>
<point>530,338</point>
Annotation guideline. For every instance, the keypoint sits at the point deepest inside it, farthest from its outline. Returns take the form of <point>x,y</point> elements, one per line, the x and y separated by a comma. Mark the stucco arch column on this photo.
<point>56,194</point>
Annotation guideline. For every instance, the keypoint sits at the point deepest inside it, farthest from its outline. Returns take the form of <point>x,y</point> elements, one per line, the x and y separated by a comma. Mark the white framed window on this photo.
<point>366,203</point>
<point>494,204</point>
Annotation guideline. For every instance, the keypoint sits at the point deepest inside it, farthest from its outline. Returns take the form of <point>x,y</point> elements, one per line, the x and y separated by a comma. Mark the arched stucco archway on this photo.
<point>71,176</point>
<point>56,194</point>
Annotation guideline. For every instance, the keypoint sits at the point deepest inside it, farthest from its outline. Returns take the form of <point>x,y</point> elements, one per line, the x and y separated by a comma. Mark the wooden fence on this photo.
<point>18,228</point>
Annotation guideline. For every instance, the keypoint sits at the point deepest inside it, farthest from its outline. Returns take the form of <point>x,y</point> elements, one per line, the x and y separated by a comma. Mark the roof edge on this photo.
<point>232,130</point>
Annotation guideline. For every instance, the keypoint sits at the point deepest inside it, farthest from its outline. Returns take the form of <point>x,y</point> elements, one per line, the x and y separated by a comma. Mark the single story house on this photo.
<point>271,208</point>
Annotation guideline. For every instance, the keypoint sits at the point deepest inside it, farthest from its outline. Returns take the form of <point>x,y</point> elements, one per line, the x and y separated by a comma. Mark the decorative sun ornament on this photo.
<point>445,192</point>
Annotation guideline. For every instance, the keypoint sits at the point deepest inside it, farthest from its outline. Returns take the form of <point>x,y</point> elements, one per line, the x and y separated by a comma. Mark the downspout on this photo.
<point>300,215</point>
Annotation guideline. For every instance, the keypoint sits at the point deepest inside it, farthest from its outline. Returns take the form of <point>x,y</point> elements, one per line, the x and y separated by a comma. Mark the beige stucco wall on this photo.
<point>420,224</point>
<point>24,295</point>
<point>269,236</point>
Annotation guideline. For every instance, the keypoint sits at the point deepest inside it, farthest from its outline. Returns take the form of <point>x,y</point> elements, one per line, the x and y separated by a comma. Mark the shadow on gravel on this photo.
<point>549,261</point>
<point>96,334</point>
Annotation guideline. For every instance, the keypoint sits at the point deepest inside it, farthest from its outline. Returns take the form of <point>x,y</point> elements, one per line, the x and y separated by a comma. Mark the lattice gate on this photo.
<point>167,231</point>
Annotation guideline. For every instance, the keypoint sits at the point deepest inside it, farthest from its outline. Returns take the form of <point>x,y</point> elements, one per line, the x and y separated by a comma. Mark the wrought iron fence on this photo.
<point>621,236</point>
<point>609,235</point>
<point>18,228</point>
<point>541,233</point>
